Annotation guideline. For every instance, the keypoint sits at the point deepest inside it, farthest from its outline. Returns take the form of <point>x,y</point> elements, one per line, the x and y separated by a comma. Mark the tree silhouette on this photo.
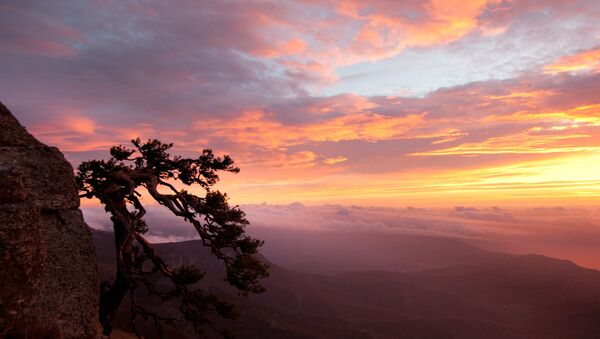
<point>119,183</point>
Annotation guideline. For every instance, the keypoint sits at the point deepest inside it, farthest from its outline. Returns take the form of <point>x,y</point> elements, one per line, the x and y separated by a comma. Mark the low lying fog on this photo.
<point>567,233</point>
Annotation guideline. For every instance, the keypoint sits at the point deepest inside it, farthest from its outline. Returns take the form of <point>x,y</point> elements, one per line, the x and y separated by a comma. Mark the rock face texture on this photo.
<point>48,267</point>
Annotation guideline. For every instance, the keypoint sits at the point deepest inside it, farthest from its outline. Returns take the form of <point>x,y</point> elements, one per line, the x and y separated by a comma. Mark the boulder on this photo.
<point>49,270</point>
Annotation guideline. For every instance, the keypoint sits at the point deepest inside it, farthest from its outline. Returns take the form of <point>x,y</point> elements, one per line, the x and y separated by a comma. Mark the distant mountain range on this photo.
<point>329,252</point>
<point>394,286</point>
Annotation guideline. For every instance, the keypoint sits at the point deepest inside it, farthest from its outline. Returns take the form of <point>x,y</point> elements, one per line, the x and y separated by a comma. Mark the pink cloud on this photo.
<point>31,32</point>
<point>244,78</point>
<point>584,61</point>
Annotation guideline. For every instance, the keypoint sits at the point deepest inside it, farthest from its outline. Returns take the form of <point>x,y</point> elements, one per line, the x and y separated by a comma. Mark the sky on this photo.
<point>379,103</point>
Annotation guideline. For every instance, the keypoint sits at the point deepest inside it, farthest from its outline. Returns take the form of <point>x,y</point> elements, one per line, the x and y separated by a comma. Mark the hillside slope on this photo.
<point>506,296</point>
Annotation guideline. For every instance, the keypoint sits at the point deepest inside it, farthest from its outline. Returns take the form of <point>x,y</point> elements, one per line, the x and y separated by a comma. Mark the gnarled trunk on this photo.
<point>112,298</point>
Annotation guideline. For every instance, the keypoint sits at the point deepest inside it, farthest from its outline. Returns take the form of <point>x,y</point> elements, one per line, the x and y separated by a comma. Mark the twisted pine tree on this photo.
<point>117,183</point>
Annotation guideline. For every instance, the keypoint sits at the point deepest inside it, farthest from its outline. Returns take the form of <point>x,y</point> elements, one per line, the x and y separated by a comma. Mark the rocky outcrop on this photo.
<point>48,269</point>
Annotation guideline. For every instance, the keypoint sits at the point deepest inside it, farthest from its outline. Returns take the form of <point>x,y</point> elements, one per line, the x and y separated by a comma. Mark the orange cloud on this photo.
<point>522,95</point>
<point>75,132</point>
<point>564,131</point>
<point>334,160</point>
<point>570,179</point>
<point>81,124</point>
<point>522,143</point>
<point>581,62</point>
<point>580,116</point>
<point>243,77</point>
<point>301,159</point>
<point>254,128</point>
<point>286,48</point>
<point>387,30</point>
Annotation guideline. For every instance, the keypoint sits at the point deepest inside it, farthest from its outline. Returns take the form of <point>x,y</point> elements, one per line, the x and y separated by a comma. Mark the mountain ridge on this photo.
<point>512,296</point>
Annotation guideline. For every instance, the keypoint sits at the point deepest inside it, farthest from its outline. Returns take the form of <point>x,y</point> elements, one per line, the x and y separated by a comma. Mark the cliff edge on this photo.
<point>48,268</point>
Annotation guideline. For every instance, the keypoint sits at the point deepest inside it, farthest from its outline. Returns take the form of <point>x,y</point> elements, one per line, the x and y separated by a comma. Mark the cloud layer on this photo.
<point>248,78</point>
<point>568,233</point>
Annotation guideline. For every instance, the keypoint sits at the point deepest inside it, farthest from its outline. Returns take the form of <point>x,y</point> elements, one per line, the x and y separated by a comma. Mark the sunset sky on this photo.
<point>379,103</point>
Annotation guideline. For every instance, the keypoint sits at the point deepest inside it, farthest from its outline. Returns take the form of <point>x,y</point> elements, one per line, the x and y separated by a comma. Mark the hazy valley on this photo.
<point>363,285</point>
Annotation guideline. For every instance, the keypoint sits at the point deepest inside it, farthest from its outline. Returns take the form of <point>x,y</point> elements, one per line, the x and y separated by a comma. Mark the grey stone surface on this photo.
<point>48,272</point>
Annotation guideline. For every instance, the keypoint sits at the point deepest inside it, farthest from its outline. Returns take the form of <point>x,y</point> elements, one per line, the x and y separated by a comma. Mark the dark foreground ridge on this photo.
<point>48,266</point>
<point>497,296</point>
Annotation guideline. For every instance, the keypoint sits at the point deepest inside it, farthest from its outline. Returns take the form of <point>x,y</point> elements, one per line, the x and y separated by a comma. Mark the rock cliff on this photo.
<point>48,269</point>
